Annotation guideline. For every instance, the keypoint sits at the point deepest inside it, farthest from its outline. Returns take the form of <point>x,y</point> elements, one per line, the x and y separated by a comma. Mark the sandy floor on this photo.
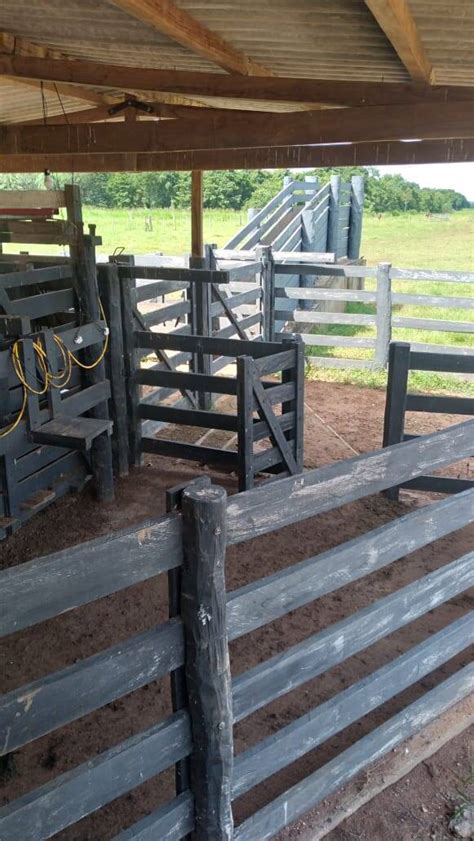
<point>340,420</point>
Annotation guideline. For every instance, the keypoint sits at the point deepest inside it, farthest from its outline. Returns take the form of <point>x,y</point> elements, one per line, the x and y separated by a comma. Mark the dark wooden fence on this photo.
<point>399,400</point>
<point>254,393</point>
<point>61,439</point>
<point>194,543</point>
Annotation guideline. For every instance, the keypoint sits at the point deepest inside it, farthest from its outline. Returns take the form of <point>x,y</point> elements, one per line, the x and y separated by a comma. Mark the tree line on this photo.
<point>240,189</point>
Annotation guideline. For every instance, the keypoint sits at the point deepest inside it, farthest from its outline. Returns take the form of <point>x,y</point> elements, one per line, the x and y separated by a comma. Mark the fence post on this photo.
<point>245,422</point>
<point>201,308</point>
<point>333,221</point>
<point>296,375</point>
<point>109,288</point>
<point>383,316</point>
<point>128,298</point>
<point>355,218</point>
<point>208,680</point>
<point>264,253</point>
<point>395,402</point>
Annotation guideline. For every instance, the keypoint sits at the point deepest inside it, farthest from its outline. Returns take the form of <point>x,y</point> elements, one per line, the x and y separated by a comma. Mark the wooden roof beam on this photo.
<point>356,125</point>
<point>180,26</point>
<point>285,157</point>
<point>13,46</point>
<point>347,93</point>
<point>396,20</point>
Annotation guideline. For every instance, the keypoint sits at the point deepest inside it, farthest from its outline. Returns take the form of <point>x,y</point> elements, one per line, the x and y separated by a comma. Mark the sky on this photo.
<point>458,177</point>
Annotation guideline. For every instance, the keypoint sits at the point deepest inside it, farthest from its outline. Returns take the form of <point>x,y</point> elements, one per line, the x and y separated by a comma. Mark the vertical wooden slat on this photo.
<point>395,403</point>
<point>265,255</point>
<point>131,360</point>
<point>109,288</point>
<point>203,611</point>
<point>384,315</point>
<point>197,236</point>
<point>355,219</point>
<point>296,375</point>
<point>245,422</point>
<point>333,223</point>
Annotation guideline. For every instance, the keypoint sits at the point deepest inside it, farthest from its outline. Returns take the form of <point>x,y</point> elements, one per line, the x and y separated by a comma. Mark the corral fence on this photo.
<point>399,401</point>
<point>172,355</point>
<point>193,646</point>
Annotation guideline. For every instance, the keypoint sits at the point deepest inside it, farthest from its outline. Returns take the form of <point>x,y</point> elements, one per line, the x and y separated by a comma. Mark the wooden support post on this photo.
<point>355,218</point>
<point>308,243</point>
<point>264,253</point>
<point>128,295</point>
<point>201,308</point>
<point>197,234</point>
<point>383,315</point>
<point>245,422</point>
<point>208,679</point>
<point>395,401</point>
<point>296,375</point>
<point>84,264</point>
<point>179,695</point>
<point>109,288</point>
<point>333,222</point>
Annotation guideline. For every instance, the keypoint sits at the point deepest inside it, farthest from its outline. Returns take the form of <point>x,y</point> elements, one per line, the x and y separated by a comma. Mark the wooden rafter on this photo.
<point>118,77</point>
<point>396,20</point>
<point>13,46</point>
<point>180,26</point>
<point>383,123</point>
<point>292,157</point>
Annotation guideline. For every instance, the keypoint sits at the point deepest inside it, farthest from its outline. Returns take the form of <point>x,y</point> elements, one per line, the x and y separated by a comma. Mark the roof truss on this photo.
<point>396,20</point>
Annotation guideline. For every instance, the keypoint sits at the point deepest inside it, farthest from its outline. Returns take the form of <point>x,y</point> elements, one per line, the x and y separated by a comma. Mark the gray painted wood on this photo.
<point>433,324</point>
<point>294,499</point>
<point>313,789</point>
<point>441,361</point>
<point>206,344</point>
<point>267,599</point>
<point>336,341</point>
<point>277,435</point>
<point>207,665</point>
<point>70,797</point>
<point>432,274</point>
<point>440,404</point>
<point>320,652</point>
<point>334,207</point>
<point>357,210</point>
<point>180,274</point>
<point>50,702</point>
<point>148,291</point>
<point>53,584</point>
<point>310,730</point>
<point>320,294</point>
<point>313,317</point>
<point>245,405</point>
<point>445,301</point>
<point>170,823</point>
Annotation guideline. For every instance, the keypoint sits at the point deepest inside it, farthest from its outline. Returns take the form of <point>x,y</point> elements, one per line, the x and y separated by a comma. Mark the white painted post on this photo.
<point>383,316</point>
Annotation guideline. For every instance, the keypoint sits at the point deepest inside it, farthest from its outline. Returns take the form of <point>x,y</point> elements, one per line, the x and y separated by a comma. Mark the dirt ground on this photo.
<point>340,422</point>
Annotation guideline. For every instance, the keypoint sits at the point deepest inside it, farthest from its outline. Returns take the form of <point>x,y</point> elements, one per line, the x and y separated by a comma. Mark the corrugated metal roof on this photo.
<point>325,39</point>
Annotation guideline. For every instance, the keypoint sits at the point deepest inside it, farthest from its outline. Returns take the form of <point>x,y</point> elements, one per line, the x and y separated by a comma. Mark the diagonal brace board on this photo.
<point>266,413</point>
<point>229,313</point>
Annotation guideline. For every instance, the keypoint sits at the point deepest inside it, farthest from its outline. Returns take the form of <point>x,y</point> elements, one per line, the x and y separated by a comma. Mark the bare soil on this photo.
<point>340,422</point>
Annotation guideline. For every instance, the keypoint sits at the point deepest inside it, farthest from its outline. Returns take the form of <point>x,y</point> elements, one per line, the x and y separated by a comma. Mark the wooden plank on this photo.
<point>357,210</point>
<point>342,92</point>
<point>193,452</point>
<point>265,411</point>
<point>431,275</point>
<point>261,429</point>
<point>294,499</point>
<point>44,705</point>
<point>383,316</point>
<point>359,154</point>
<point>441,361</point>
<point>245,407</point>
<point>306,733</point>
<point>439,484</point>
<point>182,379</point>
<point>234,301</point>
<point>276,362</point>
<point>312,317</point>
<point>189,417</point>
<point>38,306</point>
<point>445,301</point>
<point>334,362</point>
<point>302,797</point>
<point>34,276</point>
<point>245,323</point>
<point>51,585</point>
<point>176,22</point>
<point>322,651</point>
<point>315,339</point>
<point>212,345</point>
<point>207,666</point>
<point>269,598</point>
<point>197,234</point>
<point>395,401</point>
<point>179,274</point>
<point>21,199</point>
<point>437,403</point>
<point>70,797</point>
<point>319,294</point>
<point>147,291</point>
<point>433,324</point>
<point>356,125</point>
<point>397,22</point>
<point>171,822</point>
<point>166,313</point>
